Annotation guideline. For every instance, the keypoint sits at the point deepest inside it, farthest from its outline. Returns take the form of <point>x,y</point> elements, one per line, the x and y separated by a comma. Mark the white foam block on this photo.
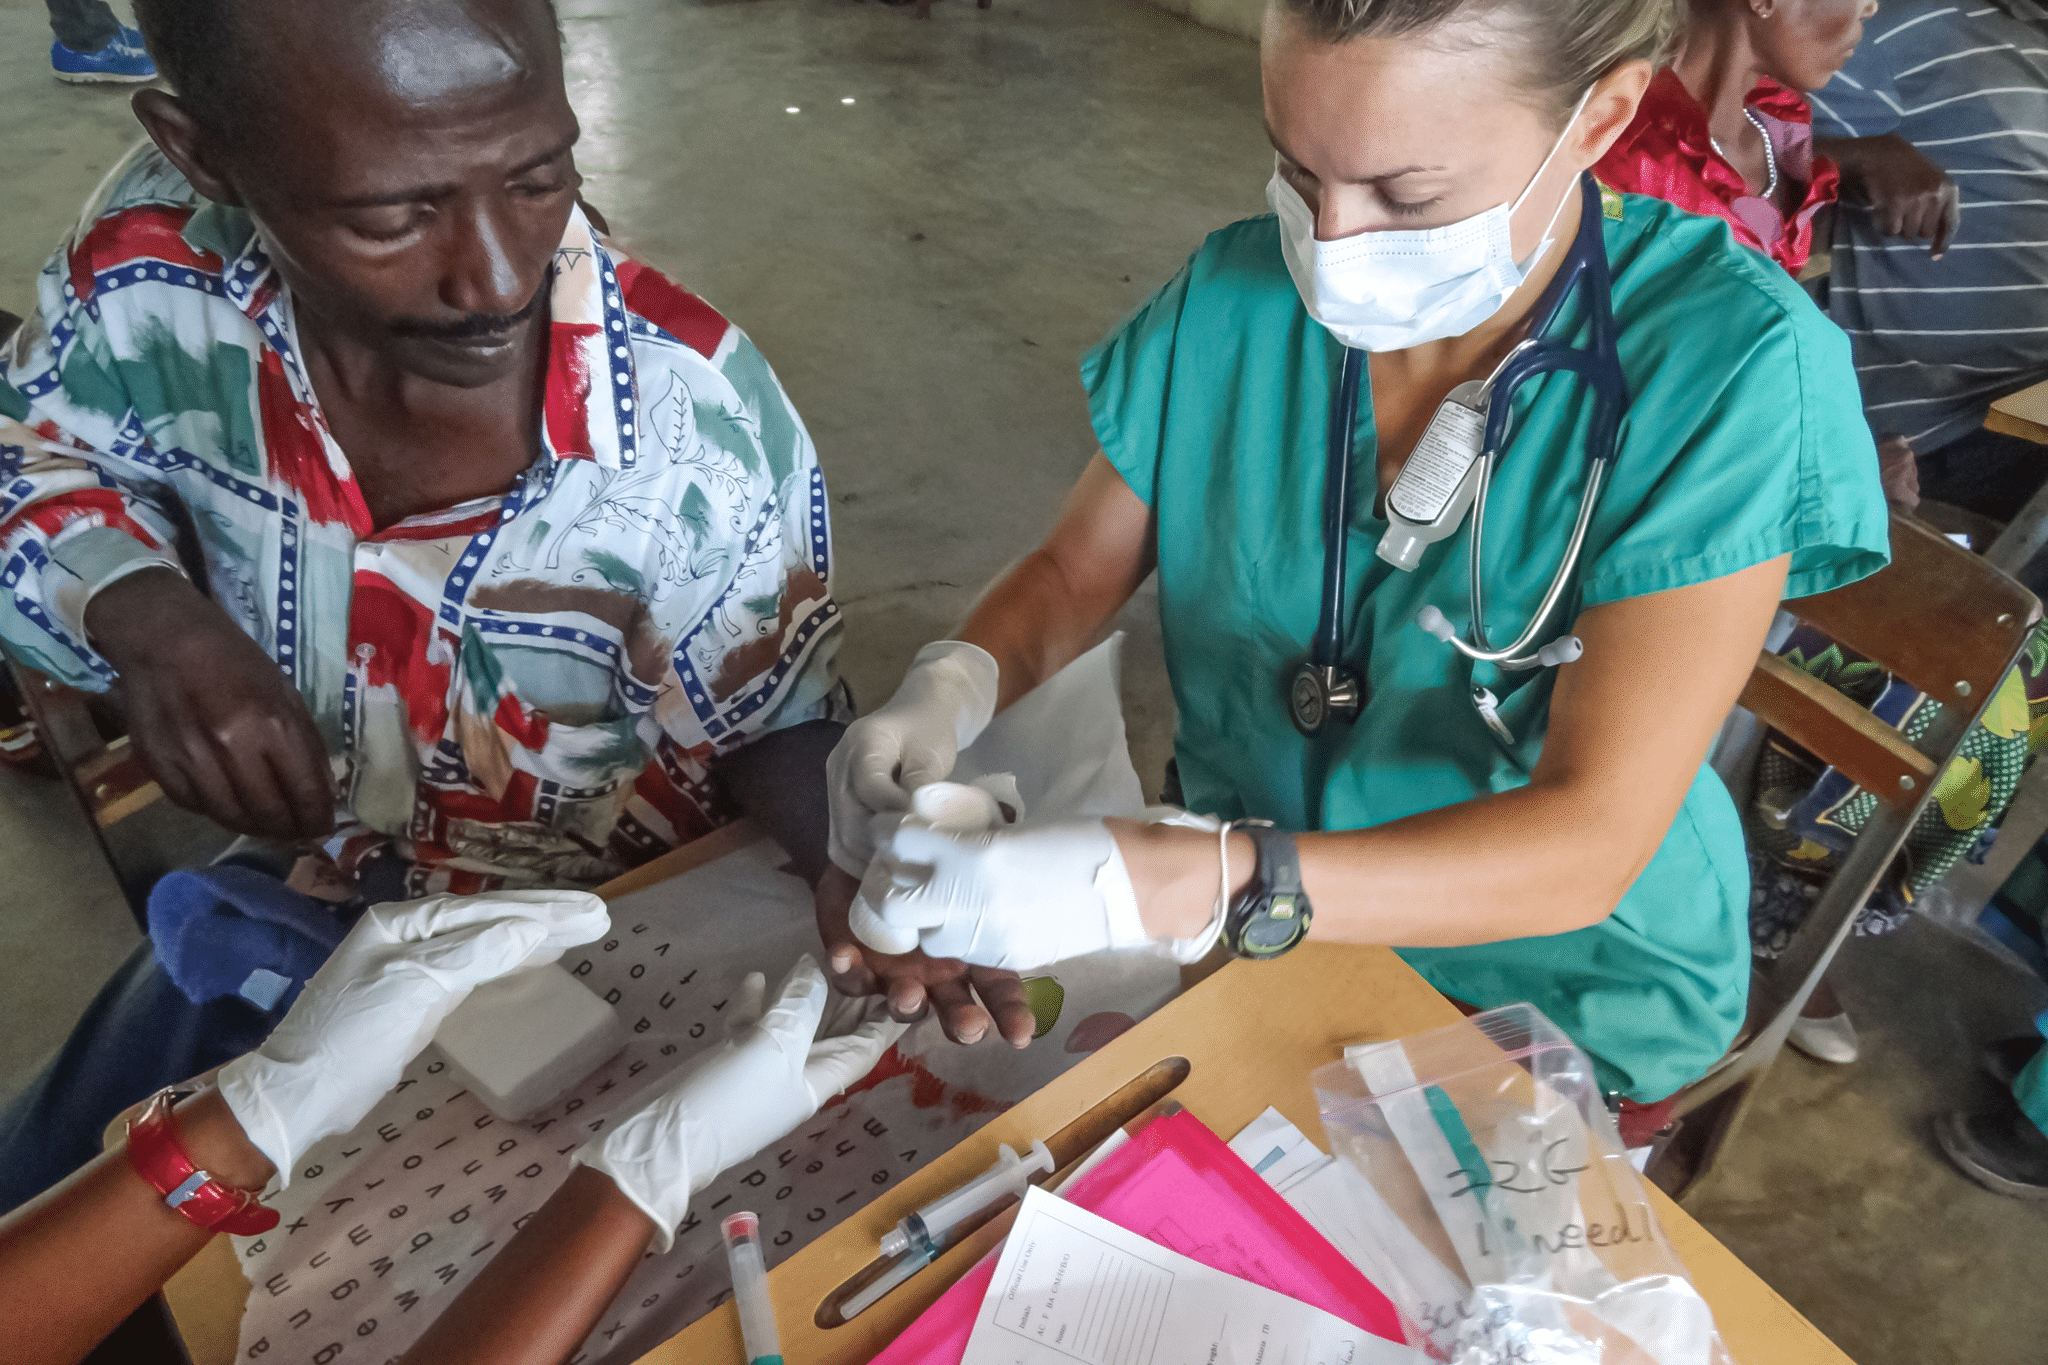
<point>520,1041</point>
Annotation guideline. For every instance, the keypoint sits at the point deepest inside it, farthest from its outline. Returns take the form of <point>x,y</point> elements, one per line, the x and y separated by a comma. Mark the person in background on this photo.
<point>83,1255</point>
<point>1941,246</point>
<point>92,47</point>
<point>2003,1146</point>
<point>1940,269</point>
<point>1724,130</point>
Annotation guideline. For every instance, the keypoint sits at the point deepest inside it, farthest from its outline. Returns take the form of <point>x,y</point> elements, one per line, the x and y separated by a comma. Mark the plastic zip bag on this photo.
<point>1512,1228</point>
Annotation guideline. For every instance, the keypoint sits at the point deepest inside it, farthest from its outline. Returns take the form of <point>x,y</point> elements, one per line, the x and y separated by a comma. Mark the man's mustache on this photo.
<point>472,325</point>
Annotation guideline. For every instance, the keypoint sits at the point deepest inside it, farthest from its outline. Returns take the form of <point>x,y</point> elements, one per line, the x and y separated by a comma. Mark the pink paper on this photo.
<point>1177,1184</point>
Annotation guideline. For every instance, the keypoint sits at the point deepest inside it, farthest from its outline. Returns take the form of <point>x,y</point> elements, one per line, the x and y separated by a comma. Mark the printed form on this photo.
<point>1072,1286</point>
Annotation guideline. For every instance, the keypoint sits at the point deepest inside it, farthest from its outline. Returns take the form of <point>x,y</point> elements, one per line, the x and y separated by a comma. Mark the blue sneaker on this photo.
<point>124,60</point>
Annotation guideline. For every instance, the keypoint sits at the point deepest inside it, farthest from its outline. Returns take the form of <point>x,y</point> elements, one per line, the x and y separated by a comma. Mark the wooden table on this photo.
<point>1248,1037</point>
<point>2023,414</point>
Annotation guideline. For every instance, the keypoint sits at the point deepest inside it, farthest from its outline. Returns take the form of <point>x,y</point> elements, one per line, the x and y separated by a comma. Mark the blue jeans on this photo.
<point>139,1035</point>
<point>82,25</point>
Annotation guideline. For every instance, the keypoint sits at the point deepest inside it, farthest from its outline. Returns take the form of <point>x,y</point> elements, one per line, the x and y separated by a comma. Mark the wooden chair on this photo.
<point>103,775</point>
<point>1952,625</point>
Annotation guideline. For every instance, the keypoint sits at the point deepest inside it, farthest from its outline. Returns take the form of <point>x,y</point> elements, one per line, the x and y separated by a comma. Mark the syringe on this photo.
<point>925,1232</point>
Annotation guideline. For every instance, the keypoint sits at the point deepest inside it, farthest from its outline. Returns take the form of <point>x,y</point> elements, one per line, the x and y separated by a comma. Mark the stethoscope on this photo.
<point>1324,687</point>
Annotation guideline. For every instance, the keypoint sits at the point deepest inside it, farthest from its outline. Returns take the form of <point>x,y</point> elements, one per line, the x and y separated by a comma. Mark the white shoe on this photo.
<point>1831,1040</point>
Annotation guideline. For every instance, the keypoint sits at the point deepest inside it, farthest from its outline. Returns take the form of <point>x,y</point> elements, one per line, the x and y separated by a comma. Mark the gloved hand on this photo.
<point>946,699</point>
<point>742,1095</point>
<point>1011,898</point>
<point>379,999</point>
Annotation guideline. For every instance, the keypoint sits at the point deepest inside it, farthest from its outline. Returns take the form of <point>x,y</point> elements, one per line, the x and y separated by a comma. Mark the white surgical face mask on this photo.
<point>1387,291</point>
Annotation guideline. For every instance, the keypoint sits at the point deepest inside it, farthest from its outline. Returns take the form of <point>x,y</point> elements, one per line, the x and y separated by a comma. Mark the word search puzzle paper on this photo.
<point>1074,1287</point>
<point>386,1224</point>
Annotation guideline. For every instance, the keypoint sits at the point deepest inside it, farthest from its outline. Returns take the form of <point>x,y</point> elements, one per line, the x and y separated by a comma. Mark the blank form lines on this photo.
<point>1119,1323</point>
<point>1101,1306</point>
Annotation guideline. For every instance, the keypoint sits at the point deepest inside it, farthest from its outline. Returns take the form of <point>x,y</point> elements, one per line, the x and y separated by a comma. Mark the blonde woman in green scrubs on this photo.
<point>1576,854</point>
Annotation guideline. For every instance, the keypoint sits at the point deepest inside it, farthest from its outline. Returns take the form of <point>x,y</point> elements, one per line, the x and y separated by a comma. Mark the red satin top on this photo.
<point>1667,153</point>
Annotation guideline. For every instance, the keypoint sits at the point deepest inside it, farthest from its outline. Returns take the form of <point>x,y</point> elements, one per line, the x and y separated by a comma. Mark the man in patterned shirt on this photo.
<point>406,513</point>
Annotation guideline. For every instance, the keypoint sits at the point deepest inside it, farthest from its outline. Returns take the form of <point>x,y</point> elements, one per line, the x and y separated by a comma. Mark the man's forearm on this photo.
<point>1852,154</point>
<point>779,781</point>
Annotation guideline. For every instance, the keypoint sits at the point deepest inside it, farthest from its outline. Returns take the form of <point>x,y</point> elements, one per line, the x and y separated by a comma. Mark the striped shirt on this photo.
<point>1937,341</point>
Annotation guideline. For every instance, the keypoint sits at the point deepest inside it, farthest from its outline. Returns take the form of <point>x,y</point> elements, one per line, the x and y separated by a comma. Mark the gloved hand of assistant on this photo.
<point>1020,898</point>
<point>742,1095</point>
<point>943,703</point>
<point>378,1001</point>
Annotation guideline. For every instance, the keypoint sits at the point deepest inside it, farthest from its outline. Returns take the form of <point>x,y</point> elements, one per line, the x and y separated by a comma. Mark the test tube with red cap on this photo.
<point>750,1289</point>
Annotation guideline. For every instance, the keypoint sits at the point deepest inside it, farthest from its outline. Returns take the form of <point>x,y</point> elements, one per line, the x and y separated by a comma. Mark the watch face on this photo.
<point>1277,926</point>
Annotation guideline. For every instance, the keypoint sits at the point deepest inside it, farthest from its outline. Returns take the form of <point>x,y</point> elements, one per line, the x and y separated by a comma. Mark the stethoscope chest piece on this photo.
<point>1317,693</point>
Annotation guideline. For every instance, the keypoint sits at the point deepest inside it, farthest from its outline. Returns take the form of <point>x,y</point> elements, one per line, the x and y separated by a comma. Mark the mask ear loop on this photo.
<point>1555,148</point>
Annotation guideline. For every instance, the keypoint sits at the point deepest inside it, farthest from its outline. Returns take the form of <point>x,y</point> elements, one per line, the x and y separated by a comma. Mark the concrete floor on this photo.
<point>923,266</point>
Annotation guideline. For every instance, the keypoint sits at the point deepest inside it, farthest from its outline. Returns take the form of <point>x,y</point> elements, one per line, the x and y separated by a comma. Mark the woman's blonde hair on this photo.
<point>1566,44</point>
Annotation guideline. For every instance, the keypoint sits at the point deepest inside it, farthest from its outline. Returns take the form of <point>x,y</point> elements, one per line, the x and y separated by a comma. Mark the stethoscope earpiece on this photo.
<point>1434,622</point>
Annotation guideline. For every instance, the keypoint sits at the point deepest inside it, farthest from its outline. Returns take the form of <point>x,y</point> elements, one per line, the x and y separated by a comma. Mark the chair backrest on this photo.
<point>1939,617</point>
<point>1952,626</point>
<point>107,776</point>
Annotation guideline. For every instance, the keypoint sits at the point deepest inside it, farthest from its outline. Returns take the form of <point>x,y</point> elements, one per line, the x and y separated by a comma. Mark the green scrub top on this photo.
<point>1746,441</point>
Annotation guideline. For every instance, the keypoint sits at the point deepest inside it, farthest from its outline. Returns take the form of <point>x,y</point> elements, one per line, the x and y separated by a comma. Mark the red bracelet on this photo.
<point>159,1157</point>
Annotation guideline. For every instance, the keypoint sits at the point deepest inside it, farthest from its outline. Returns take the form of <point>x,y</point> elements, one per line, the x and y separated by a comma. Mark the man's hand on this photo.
<point>1900,469</point>
<point>1909,196</point>
<point>913,981</point>
<point>213,719</point>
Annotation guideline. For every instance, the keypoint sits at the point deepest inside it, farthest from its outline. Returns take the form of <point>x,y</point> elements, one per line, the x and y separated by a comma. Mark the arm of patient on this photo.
<point>779,781</point>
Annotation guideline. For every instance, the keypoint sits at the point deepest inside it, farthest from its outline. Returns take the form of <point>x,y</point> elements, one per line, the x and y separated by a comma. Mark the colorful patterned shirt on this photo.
<point>523,689</point>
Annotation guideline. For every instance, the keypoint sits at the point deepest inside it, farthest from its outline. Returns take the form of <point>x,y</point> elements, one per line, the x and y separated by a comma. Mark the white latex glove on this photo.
<point>1011,898</point>
<point>946,699</point>
<point>739,1097</point>
<point>985,803</point>
<point>379,999</point>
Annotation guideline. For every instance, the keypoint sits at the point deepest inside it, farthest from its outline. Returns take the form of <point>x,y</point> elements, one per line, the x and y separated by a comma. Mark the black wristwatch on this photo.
<point>1271,915</point>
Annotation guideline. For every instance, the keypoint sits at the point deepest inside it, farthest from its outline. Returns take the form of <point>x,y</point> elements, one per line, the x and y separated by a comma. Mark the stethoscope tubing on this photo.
<point>1601,369</point>
<point>1515,657</point>
<point>1329,638</point>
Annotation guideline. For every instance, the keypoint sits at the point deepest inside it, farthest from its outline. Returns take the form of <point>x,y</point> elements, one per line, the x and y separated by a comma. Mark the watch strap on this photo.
<point>1279,866</point>
<point>159,1157</point>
